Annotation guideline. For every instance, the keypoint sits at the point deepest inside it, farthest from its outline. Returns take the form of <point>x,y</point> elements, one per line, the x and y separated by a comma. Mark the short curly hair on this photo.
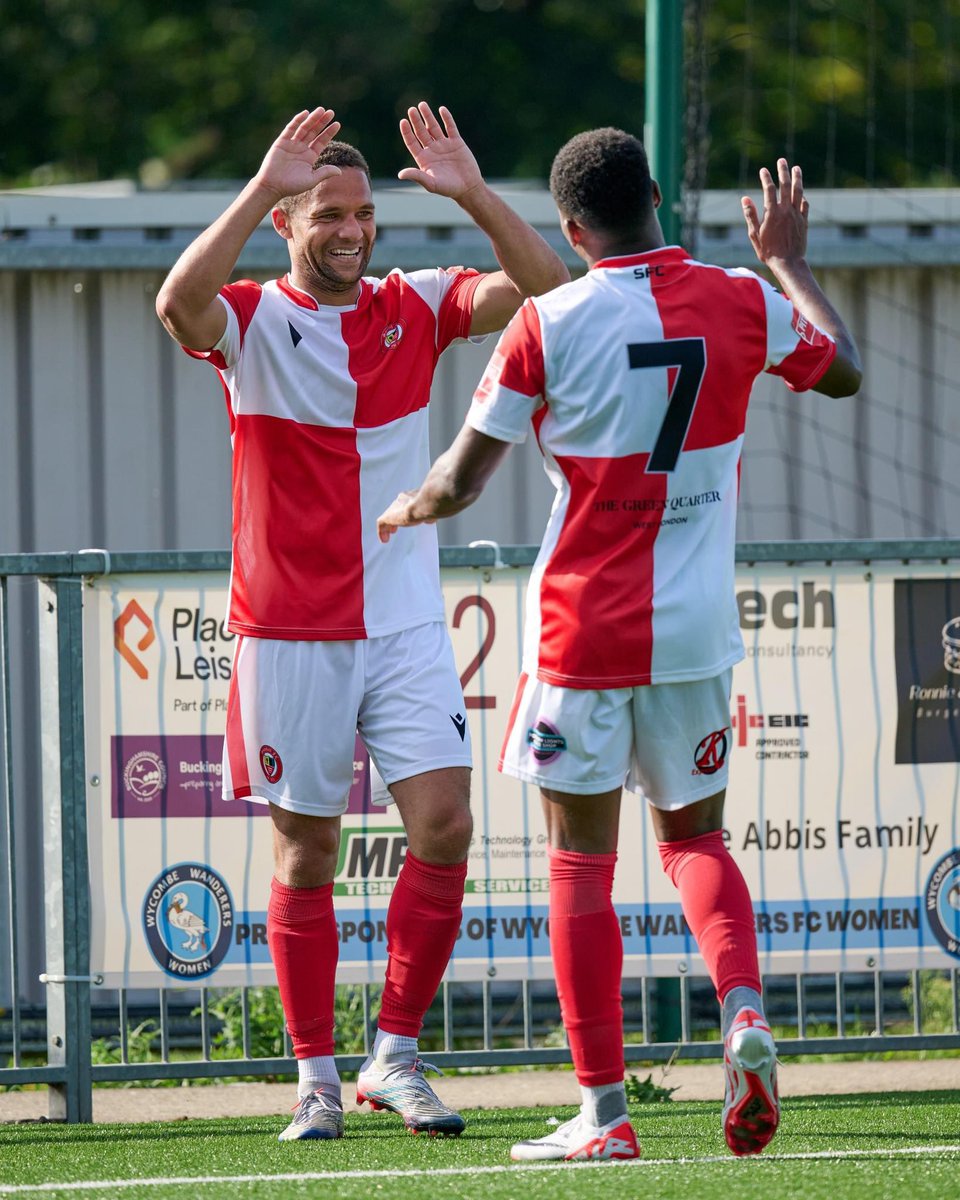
<point>601,179</point>
<point>334,154</point>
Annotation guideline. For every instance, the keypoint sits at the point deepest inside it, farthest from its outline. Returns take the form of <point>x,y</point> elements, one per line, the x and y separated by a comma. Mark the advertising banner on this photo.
<point>842,808</point>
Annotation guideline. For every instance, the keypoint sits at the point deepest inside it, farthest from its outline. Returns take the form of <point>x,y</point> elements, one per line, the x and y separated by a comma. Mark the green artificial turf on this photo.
<point>882,1146</point>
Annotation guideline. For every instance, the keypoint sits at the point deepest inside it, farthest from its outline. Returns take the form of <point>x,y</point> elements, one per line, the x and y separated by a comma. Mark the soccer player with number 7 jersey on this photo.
<point>635,380</point>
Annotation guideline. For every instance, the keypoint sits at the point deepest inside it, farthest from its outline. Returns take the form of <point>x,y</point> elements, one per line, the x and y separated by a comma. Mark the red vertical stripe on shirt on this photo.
<point>709,304</point>
<point>236,747</point>
<point>301,564</point>
<point>605,553</point>
<point>392,353</point>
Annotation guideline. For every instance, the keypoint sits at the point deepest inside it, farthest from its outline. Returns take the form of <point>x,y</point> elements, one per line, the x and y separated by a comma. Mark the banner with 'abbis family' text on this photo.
<point>842,808</point>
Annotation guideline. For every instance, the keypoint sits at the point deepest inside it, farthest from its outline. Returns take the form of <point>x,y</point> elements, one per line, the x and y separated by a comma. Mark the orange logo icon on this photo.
<point>133,610</point>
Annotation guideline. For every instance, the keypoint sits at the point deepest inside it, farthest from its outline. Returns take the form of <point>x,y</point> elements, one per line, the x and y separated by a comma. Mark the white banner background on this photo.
<point>838,840</point>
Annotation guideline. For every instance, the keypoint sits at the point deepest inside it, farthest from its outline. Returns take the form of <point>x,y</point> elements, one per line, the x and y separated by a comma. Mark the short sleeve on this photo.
<point>797,350</point>
<point>240,301</point>
<point>513,385</point>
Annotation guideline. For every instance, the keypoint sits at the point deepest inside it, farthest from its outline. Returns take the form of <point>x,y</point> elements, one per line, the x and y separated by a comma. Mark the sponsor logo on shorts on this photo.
<point>270,763</point>
<point>546,742</point>
<point>942,902</point>
<point>144,775</point>
<point>460,724</point>
<point>188,920</point>
<point>711,754</point>
<point>392,336</point>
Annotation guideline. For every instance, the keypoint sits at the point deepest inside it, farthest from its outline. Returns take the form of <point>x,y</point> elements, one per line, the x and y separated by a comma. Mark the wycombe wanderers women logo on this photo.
<point>942,902</point>
<point>188,920</point>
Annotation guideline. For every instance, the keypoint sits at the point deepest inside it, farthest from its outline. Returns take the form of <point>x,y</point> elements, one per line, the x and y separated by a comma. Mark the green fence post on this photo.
<point>66,875</point>
<point>663,124</point>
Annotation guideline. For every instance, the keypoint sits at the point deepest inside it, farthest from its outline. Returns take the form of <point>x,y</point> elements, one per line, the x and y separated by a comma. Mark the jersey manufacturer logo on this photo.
<point>392,336</point>
<point>188,920</point>
<point>546,742</point>
<point>295,335</point>
<point>711,754</point>
<point>942,902</point>
<point>460,724</point>
<point>270,763</point>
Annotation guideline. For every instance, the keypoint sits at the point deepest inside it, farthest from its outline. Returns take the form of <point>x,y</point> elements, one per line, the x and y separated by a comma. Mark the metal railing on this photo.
<point>467,1024</point>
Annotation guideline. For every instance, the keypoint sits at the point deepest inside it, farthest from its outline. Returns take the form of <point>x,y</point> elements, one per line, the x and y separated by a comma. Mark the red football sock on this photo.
<point>587,950</point>
<point>302,935</point>
<point>716,903</point>
<point>423,921</point>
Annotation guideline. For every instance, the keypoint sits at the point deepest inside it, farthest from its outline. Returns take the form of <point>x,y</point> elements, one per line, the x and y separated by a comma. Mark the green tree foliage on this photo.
<point>858,90</point>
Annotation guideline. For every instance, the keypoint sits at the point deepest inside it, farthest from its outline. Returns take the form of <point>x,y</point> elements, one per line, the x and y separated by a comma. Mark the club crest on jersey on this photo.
<point>546,741</point>
<point>711,754</point>
<point>392,336</point>
<point>270,763</point>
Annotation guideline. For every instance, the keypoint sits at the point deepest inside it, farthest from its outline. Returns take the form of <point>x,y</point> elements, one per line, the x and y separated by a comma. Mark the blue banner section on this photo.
<point>521,931</point>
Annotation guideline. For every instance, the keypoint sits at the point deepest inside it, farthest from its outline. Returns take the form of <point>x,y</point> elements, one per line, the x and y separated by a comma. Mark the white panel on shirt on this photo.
<point>309,383</point>
<point>401,580</point>
<point>706,540</point>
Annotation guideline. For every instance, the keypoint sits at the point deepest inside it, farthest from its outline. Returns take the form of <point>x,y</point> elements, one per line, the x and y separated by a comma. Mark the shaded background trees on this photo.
<point>180,90</point>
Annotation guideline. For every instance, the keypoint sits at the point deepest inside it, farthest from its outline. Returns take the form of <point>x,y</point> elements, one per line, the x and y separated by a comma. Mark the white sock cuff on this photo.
<point>319,1071</point>
<point>394,1044</point>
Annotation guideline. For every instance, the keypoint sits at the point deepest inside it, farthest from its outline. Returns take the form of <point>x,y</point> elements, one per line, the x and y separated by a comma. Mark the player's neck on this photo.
<point>595,248</point>
<point>316,288</point>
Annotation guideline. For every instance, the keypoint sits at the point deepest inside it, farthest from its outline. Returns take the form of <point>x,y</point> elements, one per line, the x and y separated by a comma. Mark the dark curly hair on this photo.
<point>601,179</point>
<point>334,154</point>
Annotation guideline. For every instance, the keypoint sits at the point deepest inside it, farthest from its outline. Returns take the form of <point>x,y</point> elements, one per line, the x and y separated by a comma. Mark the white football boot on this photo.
<point>317,1115</point>
<point>398,1085</point>
<point>576,1139</point>
<point>751,1107</point>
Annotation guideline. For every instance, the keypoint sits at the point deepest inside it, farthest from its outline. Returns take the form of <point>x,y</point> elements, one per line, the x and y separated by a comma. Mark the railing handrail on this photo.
<point>102,562</point>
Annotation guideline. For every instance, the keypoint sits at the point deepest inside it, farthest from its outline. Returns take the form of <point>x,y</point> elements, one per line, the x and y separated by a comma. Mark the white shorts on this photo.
<point>295,707</point>
<point>668,741</point>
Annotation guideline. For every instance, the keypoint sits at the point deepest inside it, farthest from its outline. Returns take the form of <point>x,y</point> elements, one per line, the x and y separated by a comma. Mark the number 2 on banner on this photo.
<point>473,666</point>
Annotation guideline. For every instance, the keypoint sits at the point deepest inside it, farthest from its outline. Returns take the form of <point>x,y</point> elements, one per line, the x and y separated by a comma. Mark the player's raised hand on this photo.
<point>288,167</point>
<point>782,233</point>
<point>445,163</point>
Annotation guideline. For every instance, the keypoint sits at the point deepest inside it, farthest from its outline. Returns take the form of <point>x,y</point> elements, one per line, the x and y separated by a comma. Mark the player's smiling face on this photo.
<point>331,236</point>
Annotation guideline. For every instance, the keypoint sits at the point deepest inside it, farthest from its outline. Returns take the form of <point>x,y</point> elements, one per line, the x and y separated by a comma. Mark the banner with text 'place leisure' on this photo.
<point>843,808</point>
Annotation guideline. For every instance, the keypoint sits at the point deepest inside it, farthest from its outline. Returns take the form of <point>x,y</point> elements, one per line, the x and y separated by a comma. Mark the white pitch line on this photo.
<point>91,1185</point>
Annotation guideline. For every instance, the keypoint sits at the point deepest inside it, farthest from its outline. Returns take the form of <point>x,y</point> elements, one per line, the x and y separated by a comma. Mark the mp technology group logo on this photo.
<point>942,902</point>
<point>188,920</point>
<point>927,651</point>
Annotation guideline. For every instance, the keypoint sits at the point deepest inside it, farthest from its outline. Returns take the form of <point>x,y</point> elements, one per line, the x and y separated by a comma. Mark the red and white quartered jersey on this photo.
<point>328,419</point>
<point>636,379</point>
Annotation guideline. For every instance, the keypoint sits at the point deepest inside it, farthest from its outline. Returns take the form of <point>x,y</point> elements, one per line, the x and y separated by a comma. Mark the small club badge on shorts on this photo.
<point>270,763</point>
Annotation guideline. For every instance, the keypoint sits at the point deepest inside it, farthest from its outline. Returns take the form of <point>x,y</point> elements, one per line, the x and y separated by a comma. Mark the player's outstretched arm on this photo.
<point>446,166</point>
<point>187,303</point>
<point>452,484</point>
<point>779,240</point>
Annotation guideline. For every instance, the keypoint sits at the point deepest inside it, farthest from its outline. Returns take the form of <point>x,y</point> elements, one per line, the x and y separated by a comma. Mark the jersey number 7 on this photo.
<point>689,356</point>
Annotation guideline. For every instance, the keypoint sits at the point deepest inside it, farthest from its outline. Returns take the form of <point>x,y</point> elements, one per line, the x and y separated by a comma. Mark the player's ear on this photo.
<point>572,231</point>
<point>281,223</point>
<point>657,194</point>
